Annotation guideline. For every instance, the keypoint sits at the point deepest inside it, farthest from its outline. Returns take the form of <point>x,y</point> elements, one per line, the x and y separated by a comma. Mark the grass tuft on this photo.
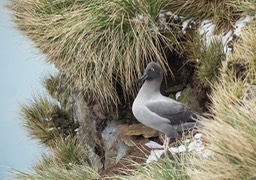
<point>69,151</point>
<point>208,59</point>
<point>51,169</point>
<point>164,168</point>
<point>44,119</point>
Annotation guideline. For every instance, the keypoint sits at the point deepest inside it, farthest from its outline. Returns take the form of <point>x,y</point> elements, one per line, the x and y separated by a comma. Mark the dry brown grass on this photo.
<point>163,169</point>
<point>222,12</point>
<point>231,131</point>
<point>97,44</point>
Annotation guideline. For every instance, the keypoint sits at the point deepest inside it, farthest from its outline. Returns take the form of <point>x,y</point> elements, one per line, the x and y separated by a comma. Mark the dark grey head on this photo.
<point>152,71</point>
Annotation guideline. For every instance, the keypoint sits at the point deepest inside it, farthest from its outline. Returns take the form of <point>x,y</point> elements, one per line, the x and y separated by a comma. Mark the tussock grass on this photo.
<point>249,7</point>
<point>38,118</point>
<point>44,119</point>
<point>98,43</point>
<point>208,59</point>
<point>222,12</point>
<point>51,169</point>
<point>231,135</point>
<point>69,150</point>
<point>163,169</point>
<point>231,131</point>
<point>244,52</point>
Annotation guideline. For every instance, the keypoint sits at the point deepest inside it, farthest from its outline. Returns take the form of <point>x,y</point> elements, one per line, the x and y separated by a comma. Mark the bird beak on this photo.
<point>142,78</point>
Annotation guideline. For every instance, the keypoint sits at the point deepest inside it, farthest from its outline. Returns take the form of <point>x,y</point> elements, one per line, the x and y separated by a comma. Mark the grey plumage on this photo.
<point>157,111</point>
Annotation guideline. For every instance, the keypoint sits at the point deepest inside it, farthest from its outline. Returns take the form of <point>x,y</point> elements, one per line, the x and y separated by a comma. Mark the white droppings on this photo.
<point>161,14</point>
<point>47,119</point>
<point>51,129</point>
<point>165,13</point>
<point>240,24</point>
<point>195,145</point>
<point>155,155</point>
<point>198,136</point>
<point>140,16</point>
<point>206,30</point>
<point>185,24</point>
<point>177,95</point>
<point>179,149</point>
<point>153,145</point>
<point>226,38</point>
<point>168,13</point>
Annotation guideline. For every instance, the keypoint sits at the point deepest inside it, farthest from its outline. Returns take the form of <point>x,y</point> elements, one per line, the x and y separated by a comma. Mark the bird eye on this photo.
<point>152,69</point>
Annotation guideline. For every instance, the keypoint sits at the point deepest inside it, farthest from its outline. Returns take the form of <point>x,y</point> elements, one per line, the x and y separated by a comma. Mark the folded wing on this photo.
<point>174,111</point>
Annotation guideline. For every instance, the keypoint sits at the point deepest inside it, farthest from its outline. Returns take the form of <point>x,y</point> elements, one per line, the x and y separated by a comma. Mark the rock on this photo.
<point>133,154</point>
<point>135,133</point>
<point>98,112</point>
<point>87,131</point>
<point>131,140</point>
<point>137,129</point>
<point>114,148</point>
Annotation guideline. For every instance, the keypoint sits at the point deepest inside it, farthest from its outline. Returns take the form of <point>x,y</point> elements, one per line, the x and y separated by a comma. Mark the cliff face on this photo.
<point>101,47</point>
<point>109,139</point>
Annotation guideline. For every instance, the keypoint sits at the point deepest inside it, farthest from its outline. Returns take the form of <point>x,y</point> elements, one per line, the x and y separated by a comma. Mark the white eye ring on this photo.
<point>152,69</point>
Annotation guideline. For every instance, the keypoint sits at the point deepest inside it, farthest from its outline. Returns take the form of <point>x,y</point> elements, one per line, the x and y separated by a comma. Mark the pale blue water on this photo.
<point>21,70</point>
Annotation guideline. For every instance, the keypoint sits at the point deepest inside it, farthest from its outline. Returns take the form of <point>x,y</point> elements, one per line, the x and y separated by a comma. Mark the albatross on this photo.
<point>153,109</point>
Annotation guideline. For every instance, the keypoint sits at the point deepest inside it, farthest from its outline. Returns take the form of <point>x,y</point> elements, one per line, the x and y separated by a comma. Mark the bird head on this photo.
<point>152,71</point>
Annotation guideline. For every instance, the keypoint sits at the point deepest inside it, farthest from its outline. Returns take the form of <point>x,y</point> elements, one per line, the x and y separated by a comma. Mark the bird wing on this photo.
<point>174,111</point>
